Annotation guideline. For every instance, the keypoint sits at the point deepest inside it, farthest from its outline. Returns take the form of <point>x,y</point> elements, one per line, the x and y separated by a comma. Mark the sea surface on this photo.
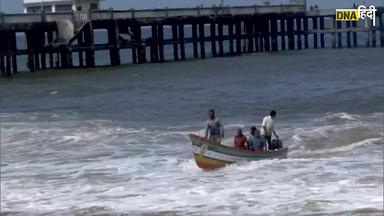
<point>112,141</point>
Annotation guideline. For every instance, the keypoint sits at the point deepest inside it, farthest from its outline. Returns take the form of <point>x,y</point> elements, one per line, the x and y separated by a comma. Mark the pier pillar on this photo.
<point>43,57</point>
<point>31,59</point>
<point>80,42</point>
<point>282,33</point>
<point>89,42</point>
<point>175,42</point>
<point>322,42</point>
<point>182,41</point>
<point>50,43</point>
<point>202,39</point>
<point>194,40</point>
<point>348,26</point>
<point>65,57</point>
<point>299,33</point>
<point>333,32</point>
<point>113,41</point>
<point>381,25</point>
<point>154,44</point>
<point>213,38</point>
<point>373,36</point>
<point>8,66</point>
<point>274,34</point>
<point>256,31</point>
<point>305,25</point>
<point>266,33</point>
<point>315,35</point>
<point>238,36</point>
<point>2,65</point>
<point>230,34</point>
<point>291,36</point>
<point>250,37</point>
<point>354,35</point>
<point>161,42</point>
<point>339,35</point>
<point>220,39</point>
<point>13,50</point>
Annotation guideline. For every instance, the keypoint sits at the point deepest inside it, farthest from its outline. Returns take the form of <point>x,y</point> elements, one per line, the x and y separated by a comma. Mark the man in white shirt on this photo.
<point>267,127</point>
<point>214,130</point>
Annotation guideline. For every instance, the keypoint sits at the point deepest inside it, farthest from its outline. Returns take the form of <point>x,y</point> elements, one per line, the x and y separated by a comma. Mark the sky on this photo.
<point>15,6</point>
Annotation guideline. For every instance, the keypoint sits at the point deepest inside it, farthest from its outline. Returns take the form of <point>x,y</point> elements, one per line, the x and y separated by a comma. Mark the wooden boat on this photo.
<point>211,155</point>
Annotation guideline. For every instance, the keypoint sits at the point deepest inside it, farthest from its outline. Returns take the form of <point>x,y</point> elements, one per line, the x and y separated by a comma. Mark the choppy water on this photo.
<point>114,140</point>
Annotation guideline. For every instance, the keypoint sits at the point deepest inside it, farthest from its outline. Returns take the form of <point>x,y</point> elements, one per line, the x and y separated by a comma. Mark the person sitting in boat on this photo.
<point>256,142</point>
<point>240,140</point>
<point>214,130</point>
<point>267,128</point>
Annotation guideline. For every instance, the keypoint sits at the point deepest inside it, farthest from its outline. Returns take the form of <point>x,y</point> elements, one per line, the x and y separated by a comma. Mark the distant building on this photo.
<point>57,6</point>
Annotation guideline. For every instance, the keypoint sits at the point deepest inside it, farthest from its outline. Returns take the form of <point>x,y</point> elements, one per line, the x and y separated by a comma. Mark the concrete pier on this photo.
<point>227,33</point>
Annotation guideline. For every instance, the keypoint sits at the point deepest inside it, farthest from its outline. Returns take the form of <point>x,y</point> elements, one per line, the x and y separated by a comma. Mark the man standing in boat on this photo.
<point>267,128</point>
<point>214,130</point>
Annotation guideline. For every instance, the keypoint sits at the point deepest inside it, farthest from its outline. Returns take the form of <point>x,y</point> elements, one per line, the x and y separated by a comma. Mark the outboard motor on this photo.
<point>276,144</point>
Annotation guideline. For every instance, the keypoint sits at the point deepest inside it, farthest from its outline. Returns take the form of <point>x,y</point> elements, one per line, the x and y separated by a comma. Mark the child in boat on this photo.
<point>240,140</point>
<point>256,141</point>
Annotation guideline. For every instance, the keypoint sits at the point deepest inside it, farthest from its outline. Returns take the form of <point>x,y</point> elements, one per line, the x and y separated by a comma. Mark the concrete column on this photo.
<point>322,42</point>
<point>194,39</point>
<point>220,31</point>
<point>213,38</point>
<point>283,33</point>
<point>291,36</point>
<point>299,33</point>
<point>202,40</point>
<point>175,41</point>
<point>182,41</point>
<point>274,34</point>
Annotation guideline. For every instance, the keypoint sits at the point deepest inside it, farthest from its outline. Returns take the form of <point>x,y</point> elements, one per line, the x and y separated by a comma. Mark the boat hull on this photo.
<point>209,154</point>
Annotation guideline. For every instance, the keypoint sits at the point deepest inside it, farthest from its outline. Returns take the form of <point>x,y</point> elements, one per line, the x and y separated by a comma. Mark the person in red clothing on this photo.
<point>240,140</point>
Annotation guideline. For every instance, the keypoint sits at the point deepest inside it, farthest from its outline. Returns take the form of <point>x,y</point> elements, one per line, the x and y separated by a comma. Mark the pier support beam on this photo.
<point>256,32</point>
<point>2,65</point>
<point>305,25</point>
<point>220,39</point>
<point>250,37</point>
<point>333,32</point>
<point>13,49</point>
<point>195,40</point>
<point>238,37</point>
<point>31,59</point>
<point>299,33</point>
<point>348,26</point>
<point>283,32</point>
<point>154,44</point>
<point>213,39</point>
<point>339,35</point>
<point>50,42</point>
<point>274,34</point>
<point>354,35</point>
<point>315,35</point>
<point>89,42</point>
<point>202,39</point>
<point>113,41</point>
<point>175,42</point>
<point>161,42</point>
<point>182,41</point>
<point>291,35</point>
<point>230,34</point>
<point>322,42</point>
